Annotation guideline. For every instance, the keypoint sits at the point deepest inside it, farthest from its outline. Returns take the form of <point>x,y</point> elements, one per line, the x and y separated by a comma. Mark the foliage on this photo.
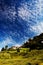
<point>2,49</point>
<point>18,50</point>
<point>6,47</point>
<point>35,43</point>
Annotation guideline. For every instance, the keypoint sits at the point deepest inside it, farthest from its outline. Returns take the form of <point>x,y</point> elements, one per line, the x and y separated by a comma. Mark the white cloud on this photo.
<point>38,28</point>
<point>7,41</point>
<point>33,15</point>
<point>24,13</point>
<point>17,45</point>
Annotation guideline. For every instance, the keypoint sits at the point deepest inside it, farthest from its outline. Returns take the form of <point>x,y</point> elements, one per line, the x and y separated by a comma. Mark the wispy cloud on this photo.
<point>38,28</point>
<point>30,10</point>
<point>7,41</point>
<point>24,13</point>
<point>31,13</point>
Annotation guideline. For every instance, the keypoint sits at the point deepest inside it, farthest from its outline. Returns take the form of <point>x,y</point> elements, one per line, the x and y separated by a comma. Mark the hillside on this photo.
<point>24,57</point>
<point>30,53</point>
<point>34,43</point>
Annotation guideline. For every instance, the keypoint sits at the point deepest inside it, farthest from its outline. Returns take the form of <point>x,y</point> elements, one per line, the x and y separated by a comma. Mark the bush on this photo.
<point>18,50</point>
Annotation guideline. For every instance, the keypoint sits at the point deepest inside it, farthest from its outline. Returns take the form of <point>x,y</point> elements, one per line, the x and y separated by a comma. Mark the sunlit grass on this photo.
<point>24,57</point>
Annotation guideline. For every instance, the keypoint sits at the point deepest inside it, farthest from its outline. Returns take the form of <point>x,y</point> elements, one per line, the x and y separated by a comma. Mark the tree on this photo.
<point>6,47</point>
<point>18,50</point>
<point>2,49</point>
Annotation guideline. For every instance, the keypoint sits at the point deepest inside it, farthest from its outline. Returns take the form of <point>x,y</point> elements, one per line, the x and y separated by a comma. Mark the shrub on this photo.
<point>18,50</point>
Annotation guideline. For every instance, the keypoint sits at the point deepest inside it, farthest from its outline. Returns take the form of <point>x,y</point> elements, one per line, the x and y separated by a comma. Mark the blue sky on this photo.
<point>20,20</point>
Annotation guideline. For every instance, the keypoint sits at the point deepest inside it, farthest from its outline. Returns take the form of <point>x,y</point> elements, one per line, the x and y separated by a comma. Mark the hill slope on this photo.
<point>34,43</point>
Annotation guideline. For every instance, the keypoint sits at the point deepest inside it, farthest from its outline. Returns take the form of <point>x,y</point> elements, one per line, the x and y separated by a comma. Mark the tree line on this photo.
<point>34,43</point>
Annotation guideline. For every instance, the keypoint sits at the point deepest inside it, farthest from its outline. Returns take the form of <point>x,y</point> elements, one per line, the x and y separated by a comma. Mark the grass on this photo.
<point>24,57</point>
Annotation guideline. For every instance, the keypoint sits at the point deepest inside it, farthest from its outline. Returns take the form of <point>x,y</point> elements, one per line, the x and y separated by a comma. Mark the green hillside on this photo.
<point>30,53</point>
<point>24,57</point>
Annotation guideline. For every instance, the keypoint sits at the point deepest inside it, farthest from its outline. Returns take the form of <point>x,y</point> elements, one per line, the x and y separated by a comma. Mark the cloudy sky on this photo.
<point>20,20</point>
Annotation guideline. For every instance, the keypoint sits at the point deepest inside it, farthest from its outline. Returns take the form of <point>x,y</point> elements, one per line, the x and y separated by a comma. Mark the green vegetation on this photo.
<point>30,53</point>
<point>34,43</point>
<point>24,57</point>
